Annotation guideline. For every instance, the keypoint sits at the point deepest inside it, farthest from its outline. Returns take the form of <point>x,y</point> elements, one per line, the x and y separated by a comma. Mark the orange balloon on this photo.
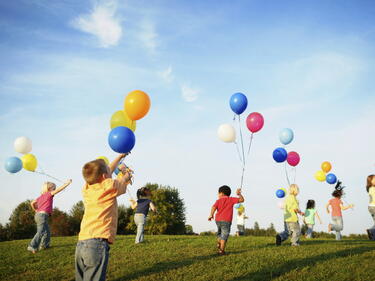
<point>137,104</point>
<point>326,166</point>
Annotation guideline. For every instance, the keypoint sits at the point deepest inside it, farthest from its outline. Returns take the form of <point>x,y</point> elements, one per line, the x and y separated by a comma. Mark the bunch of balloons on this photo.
<point>123,122</point>
<point>28,161</point>
<point>254,122</point>
<point>322,175</point>
<point>280,193</point>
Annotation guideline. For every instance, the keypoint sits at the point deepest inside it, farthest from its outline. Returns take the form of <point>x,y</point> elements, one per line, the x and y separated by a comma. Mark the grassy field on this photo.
<point>195,258</point>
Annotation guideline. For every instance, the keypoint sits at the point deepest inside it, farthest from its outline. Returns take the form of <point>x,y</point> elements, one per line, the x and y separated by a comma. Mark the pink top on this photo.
<point>336,208</point>
<point>44,203</point>
<point>224,207</point>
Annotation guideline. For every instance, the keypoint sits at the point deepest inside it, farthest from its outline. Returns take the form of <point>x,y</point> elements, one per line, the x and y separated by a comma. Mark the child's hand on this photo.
<point>351,206</point>
<point>238,191</point>
<point>132,200</point>
<point>210,218</point>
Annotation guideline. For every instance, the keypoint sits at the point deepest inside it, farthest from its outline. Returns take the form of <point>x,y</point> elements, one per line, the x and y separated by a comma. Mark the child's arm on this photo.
<point>61,188</point>
<point>327,207</point>
<point>123,182</point>
<point>33,205</point>
<point>153,208</point>
<point>240,197</point>
<point>115,162</point>
<point>133,204</point>
<point>213,210</point>
<point>346,207</point>
<point>316,214</point>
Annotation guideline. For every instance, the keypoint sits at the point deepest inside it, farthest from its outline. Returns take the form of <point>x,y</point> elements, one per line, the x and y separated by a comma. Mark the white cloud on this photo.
<point>148,36</point>
<point>166,74</point>
<point>189,94</point>
<point>102,23</point>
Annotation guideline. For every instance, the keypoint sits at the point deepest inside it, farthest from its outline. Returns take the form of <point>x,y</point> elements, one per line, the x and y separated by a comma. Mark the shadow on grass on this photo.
<point>267,274</point>
<point>165,266</point>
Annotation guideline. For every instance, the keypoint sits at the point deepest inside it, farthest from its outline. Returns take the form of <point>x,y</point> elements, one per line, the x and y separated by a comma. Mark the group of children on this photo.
<point>99,222</point>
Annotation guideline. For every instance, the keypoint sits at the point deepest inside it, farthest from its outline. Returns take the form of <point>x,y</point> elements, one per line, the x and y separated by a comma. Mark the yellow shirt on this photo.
<point>371,192</point>
<point>291,204</point>
<point>100,217</point>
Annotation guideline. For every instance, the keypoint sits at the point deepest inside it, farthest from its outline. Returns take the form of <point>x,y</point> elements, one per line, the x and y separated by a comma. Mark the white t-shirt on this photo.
<point>241,219</point>
<point>371,193</point>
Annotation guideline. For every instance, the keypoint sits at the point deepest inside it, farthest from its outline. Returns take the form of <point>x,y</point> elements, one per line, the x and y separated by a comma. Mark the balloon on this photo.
<point>293,158</point>
<point>137,104</point>
<point>320,176</point>
<point>238,103</point>
<point>236,206</point>
<point>279,155</point>
<point>29,162</point>
<point>254,122</point>
<point>331,178</point>
<point>13,165</point>
<point>241,208</point>
<point>104,158</point>
<point>121,139</point>
<point>120,118</point>
<point>326,166</point>
<point>226,133</point>
<point>23,145</point>
<point>286,136</point>
<point>280,193</point>
<point>283,189</point>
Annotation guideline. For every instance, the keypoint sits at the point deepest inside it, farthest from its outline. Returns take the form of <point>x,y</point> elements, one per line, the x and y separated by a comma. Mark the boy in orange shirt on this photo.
<point>99,222</point>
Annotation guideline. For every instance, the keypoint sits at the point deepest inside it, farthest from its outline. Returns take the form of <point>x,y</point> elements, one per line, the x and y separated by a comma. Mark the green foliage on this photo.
<point>124,217</point>
<point>257,231</point>
<point>189,230</point>
<point>21,222</point>
<point>75,216</point>
<point>60,223</point>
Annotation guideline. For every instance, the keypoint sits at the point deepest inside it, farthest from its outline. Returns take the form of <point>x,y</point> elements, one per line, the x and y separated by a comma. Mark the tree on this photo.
<point>189,230</point>
<point>124,218</point>
<point>170,218</point>
<point>60,223</point>
<point>21,222</point>
<point>75,217</point>
<point>4,232</point>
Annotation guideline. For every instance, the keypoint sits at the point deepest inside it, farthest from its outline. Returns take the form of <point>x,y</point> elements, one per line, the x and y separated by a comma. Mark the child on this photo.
<point>43,206</point>
<point>336,206</point>
<point>99,222</point>
<point>310,214</point>
<point>142,206</point>
<point>291,210</point>
<point>224,215</point>
<point>370,187</point>
<point>241,217</point>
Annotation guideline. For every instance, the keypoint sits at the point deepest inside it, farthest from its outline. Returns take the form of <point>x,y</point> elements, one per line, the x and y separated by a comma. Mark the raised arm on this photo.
<point>241,199</point>
<point>114,164</point>
<point>316,214</point>
<point>133,204</point>
<point>33,205</point>
<point>346,207</point>
<point>61,188</point>
<point>124,181</point>
<point>327,207</point>
<point>213,210</point>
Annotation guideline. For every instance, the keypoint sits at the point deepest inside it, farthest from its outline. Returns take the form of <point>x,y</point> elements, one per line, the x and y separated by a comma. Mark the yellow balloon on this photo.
<point>320,176</point>
<point>104,158</point>
<point>283,189</point>
<point>120,118</point>
<point>29,162</point>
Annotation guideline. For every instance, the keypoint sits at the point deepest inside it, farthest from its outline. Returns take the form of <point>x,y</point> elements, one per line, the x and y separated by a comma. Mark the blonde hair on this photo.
<point>293,189</point>
<point>48,186</point>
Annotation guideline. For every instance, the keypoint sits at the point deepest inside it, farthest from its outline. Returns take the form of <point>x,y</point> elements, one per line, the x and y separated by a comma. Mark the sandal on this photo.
<point>221,252</point>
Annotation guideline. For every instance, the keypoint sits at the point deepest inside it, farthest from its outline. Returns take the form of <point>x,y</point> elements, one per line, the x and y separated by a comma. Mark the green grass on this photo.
<point>194,258</point>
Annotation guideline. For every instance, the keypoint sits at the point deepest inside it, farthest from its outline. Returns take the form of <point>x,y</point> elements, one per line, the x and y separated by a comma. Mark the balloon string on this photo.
<point>238,151</point>
<point>45,174</point>
<point>286,174</point>
<point>295,174</point>
<point>243,171</point>
<point>243,151</point>
<point>251,141</point>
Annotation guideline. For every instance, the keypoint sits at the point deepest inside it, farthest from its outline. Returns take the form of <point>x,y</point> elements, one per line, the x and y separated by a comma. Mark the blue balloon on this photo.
<point>121,139</point>
<point>286,136</point>
<point>238,103</point>
<point>236,206</point>
<point>280,193</point>
<point>279,155</point>
<point>13,165</point>
<point>331,178</point>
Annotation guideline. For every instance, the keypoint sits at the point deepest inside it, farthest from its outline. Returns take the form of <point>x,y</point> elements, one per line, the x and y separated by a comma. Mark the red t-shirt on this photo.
<point>224,208</point>
<point>336,209</point>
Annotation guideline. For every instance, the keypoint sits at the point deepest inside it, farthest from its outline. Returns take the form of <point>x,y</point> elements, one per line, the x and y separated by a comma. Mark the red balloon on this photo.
<point>293,158</point>
<point>254,122</point>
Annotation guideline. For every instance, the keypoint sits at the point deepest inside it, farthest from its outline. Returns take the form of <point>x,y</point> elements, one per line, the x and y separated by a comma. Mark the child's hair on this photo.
<point>293,189</point>
<point>225,190</point>
<point>143,192</point>
<point>47,186</point>
<point>310,204</point>
<point>337,193</point>
<point>93,171</point>
<point>369,182</point>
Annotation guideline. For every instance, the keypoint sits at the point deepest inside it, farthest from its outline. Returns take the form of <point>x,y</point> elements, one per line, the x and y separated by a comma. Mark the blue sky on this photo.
<point>67,66</point>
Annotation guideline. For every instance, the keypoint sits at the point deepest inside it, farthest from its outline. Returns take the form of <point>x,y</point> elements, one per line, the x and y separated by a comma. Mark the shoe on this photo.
<point>369,234</point>
<point>329,227</point>
<point>278,240</point>
<point>31,249</point>
<point>295,245</point>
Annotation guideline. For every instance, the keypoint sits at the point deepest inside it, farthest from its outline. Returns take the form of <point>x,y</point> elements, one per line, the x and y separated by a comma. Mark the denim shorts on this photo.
<point>223,229</point>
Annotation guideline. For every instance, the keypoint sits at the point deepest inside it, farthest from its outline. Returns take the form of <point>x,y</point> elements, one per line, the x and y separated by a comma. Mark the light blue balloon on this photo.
<point>236,206</point>
<point>13,165</point>
<point>286,136</point>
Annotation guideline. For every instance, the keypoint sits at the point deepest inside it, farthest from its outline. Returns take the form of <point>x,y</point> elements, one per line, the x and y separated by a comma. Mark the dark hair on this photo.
<point>143,192</point>
<point>225,190</point>
<point>337,193</point>
<point>310,204</point>
<point>93,171</point>
<point>369,182</point>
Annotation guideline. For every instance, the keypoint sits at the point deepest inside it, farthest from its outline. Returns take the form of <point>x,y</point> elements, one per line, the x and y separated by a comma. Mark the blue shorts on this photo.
<point>223,229</point>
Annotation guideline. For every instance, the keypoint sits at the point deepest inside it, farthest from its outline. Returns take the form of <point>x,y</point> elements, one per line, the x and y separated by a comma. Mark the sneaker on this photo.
<point>278,240</point>
<point>329,227</point>
<point>295,245</point>
<point>31,249</point>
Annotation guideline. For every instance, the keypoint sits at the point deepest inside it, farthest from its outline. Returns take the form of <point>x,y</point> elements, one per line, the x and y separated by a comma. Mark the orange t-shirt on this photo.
<point>336,208</point>
<point>100,217</point>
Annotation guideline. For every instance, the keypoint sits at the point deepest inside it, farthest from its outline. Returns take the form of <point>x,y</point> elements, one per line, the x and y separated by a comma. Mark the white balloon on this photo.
<point>226,133</point>
<point>23,145</point>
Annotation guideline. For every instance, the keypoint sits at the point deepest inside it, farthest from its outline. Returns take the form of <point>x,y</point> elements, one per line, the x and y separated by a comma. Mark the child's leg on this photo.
<point>91,259</point>
<point>139,220</point>
<point>371,209</point>
<point>224,234</point>
<point>40,224</point>
<point>295,231</point>
<point>46,237</point>
<point>337,225</point>
<point>284,235</point>
<point>310,228</point>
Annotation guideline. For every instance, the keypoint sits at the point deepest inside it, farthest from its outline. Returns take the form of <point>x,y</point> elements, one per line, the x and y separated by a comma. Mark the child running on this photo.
<point>224,215</point>
<point>291,210</point>
<point>241,217</point>
<point>142,206</point>
<point>43,207</point>
<point>310,214</point>
<point>336,208</point>
<point>370,187</point>
<point>99,222</point>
